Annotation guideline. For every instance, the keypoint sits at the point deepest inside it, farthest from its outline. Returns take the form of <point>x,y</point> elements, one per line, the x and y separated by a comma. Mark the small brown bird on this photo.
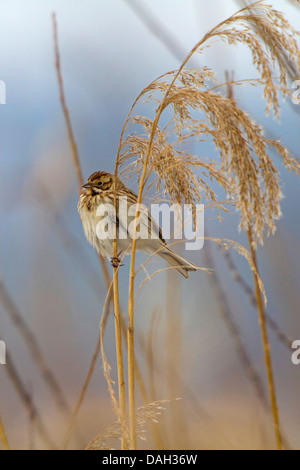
<point>96,209</point>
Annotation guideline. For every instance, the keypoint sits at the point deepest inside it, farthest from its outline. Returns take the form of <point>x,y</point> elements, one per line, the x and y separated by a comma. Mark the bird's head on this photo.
<point>98,183</point>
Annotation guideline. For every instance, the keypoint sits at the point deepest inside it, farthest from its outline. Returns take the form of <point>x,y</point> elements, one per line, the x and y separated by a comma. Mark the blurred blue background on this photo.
<point>110,50</point>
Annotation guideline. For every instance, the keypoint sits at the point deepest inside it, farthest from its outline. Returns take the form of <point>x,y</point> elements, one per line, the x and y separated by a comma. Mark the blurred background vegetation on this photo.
<point>50,277</point>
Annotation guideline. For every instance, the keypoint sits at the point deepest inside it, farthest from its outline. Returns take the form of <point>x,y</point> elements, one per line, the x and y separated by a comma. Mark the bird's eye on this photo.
<point>100,183</point>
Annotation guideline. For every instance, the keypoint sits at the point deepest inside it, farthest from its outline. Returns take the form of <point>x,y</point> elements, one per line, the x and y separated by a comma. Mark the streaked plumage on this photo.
<point>96,204</point>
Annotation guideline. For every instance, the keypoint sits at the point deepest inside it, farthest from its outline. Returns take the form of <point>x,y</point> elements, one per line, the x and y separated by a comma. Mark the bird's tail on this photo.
<point>173,259</point>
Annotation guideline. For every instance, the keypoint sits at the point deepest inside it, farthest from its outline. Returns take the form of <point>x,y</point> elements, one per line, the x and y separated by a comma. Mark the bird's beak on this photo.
<point>86,186</point>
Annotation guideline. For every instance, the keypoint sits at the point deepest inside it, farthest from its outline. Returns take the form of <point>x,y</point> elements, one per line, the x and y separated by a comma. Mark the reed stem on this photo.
<point>266,347</point>
<point>119,354</point>
<point>131,368</point>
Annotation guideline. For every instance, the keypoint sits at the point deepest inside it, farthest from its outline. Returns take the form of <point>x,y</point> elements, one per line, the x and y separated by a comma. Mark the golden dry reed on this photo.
<point>189,105</point>
<point>3,438</point>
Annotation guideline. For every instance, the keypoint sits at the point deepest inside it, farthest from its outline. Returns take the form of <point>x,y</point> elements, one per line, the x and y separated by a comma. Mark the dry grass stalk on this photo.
<point>148,347</point>
<point>264,336</point>
<point>81,396</point>
<point>130,340</point>
<point>144,392</point>
<point>173,357</point>
<point>131,364</point>
<point>119,353</point>
<point>118,332</point>
<point>155,25</point>
<point>106,371</point>
<point>271,323</point>
<point>26,399</point>
<point>266,349</point>
<point>31,342</point>
<point>105,272</point>
<point>113,296</point>
<point>70,243</point>
<point>24,330</point>
<point>70,134</point>
<point>190,397</point>
<point>246,171</point>
<point>64,106</point>
<point>73,247</point>
<point>3,438</point>
<point>138,374</point>
<point>233,328</point>
<point>106,366</point>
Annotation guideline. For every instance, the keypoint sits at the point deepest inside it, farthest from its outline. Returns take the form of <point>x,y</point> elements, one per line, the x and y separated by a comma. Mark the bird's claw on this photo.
<point>116,262</point>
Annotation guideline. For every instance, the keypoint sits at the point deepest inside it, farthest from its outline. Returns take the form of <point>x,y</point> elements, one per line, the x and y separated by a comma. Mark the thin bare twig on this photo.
<point>64,106</point>
<point>3,438</point>
<point>88,376</point>
<point>80,181</point>
<point>26,333</point>
<point>272,324</point>
<point>157,28</point>
<point>81,397</point>
<point>27,401</point>
<point>70,243</point>
<point>192,398</point>
<point>229,321</point>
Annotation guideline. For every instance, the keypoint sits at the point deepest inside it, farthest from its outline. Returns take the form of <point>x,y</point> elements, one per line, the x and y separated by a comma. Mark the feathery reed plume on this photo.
<point>144,414</point>
<point>264,336</point>
<point>245,172</point>
<point>273,41</point>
